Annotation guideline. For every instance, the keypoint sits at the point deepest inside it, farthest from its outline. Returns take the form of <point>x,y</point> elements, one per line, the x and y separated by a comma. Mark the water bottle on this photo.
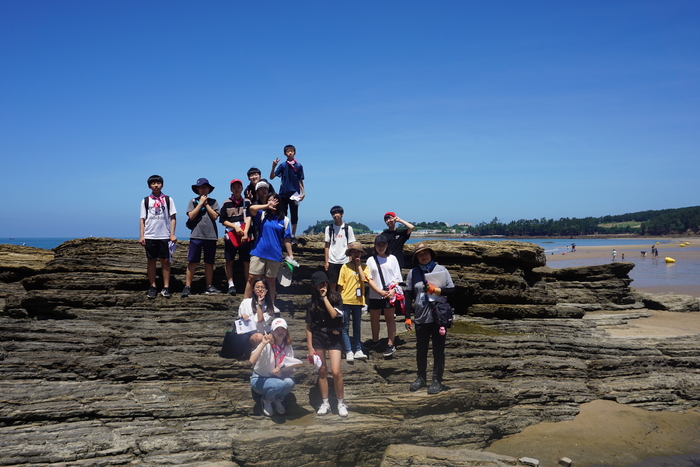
<point>442,330</point>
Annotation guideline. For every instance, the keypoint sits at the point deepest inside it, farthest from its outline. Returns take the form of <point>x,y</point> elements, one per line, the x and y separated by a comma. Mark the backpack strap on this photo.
<point>332,235</point>
<point>145,205</point>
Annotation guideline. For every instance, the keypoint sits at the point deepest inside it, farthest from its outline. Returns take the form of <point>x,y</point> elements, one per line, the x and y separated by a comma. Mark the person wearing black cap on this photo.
<point>324,325</point>
<point>428,283</point>
<point>397,237</point>
<point>202,213</point>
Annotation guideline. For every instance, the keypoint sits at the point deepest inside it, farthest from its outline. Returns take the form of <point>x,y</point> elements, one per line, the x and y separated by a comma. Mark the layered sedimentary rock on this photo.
<point>94,373</point>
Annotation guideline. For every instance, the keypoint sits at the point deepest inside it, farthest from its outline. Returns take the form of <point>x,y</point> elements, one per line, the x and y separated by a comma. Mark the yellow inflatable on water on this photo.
<point>669,260</point>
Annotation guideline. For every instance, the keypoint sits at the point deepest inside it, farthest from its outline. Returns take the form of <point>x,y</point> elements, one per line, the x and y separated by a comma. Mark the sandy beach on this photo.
<point>606,432</point>
<point>632,253</point>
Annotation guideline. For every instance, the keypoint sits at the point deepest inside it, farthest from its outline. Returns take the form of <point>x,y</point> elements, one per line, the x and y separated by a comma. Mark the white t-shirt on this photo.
<point>266,362</point>
<point>157,226</point>
<point>336,250</point>
<point>390,269</point>
<point>246,308</point>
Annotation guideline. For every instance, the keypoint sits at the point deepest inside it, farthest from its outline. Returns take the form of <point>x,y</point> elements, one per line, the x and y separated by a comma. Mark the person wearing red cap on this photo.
<point>234,218</point>
<point>397,237</point>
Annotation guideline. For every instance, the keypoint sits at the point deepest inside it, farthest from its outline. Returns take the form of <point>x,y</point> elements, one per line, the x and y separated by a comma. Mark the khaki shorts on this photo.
<point>263,267</point>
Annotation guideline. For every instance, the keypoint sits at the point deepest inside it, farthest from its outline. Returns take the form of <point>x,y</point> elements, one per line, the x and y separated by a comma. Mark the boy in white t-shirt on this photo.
<point>156,230</point>
<point>338,237</point>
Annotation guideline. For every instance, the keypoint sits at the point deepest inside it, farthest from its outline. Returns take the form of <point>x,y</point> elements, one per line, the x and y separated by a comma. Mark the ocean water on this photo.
<point>648,272</point>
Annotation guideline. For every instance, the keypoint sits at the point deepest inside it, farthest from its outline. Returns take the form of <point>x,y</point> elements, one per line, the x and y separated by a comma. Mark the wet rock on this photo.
<point>87,359</point>
<point>671,302</point>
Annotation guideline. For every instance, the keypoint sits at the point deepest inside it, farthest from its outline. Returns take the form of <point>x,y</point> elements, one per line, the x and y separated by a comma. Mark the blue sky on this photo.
<point>455,111</point>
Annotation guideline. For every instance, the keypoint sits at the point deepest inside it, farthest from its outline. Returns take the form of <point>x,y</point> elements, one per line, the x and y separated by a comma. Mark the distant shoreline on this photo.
<point>555,237</point>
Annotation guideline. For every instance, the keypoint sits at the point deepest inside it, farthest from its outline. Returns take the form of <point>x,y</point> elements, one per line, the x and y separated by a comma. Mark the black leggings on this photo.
<point>293,209</point>
<point>424,333</point>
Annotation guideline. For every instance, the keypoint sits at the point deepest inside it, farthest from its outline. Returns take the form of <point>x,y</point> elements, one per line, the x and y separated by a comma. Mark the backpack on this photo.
<point>443,313</point>
<point>145,204</point>
<point>345,228</point>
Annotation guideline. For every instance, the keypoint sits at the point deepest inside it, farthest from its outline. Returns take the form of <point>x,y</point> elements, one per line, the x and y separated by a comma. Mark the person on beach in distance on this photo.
<point>397,237</point>
<point>202,213</point>
<point>273,233</point>
<point>614,255</point>
<point>260,308</point>
<point>270,377</point>
<point>351,287</point>
<point>338,236</point>
<point>234,218</point>
<point>427,328</point>
<point>292,174</point>
<point>384,276</point>
<point>156,228</point>
<point>324,323</point>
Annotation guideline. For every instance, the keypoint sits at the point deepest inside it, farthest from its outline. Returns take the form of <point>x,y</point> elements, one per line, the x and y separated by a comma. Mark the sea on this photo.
<point>648,272</point>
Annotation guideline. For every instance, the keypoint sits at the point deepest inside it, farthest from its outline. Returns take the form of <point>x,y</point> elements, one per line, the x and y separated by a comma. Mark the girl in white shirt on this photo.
<point>385,274</point>
<point>270,377</point>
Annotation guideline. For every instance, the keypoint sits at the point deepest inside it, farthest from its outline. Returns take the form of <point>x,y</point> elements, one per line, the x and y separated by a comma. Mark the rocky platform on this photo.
<point>94,373</point>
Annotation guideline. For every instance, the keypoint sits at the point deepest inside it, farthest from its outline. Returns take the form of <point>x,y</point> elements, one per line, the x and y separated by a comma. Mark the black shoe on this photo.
<point>231,290</point>
<point>152,292</point>
<point>418,383</point>
<point>211,290</point>
<point>389,352</point>
<point>294,241</point>
<point>434,387</point>
<point>185,292</point>
<point>165,292</point>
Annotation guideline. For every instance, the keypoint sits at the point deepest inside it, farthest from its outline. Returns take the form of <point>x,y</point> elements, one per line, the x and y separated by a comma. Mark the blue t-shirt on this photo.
<point>271,232</point>
<point>290,177</point>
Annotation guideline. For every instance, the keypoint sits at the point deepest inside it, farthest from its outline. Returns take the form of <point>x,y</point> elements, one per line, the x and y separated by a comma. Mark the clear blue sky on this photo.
<point>452,111</point>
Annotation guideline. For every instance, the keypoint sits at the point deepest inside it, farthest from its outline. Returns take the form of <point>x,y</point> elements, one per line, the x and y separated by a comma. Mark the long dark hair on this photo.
<point>268,299</point>
<point>281,208</point>
<point>317,305</point>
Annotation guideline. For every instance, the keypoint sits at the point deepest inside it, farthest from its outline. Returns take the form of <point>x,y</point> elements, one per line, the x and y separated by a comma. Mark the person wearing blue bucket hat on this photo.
<point>202,213</point>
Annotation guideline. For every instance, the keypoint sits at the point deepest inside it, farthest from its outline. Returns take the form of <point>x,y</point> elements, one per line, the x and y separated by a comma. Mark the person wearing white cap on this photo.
<point>270,377</point>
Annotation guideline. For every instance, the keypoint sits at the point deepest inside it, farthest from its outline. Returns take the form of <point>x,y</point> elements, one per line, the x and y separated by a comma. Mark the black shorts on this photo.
<point>333,272</point>
<point>157,249</point>
<point>380,304</point>
<point>230,251</point>
<point>327,340</point>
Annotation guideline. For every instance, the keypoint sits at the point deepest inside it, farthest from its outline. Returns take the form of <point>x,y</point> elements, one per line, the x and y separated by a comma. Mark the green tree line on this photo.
<point>662,222</point>
<point>320,227</point>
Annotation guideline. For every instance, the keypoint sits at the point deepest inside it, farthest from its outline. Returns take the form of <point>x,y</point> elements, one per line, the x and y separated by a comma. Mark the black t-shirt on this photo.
<point>397,238</point>
<point>323,319</point>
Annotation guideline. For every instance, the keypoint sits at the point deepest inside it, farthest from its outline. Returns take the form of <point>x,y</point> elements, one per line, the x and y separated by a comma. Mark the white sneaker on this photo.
<point>360,355</point>
<point>279,407</point>
<point>267,407</point>
<point>349,356</point>
<point>342,410</point>
<point>324,409</point>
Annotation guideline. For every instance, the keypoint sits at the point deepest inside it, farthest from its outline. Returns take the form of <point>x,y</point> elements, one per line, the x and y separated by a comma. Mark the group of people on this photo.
<point>257,229</point>
<point>255,222</point>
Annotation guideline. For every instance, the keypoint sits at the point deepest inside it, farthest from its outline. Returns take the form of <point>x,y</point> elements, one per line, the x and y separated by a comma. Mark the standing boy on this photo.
<point>292,175</point>
<point>202,212</point>
<point>156,229</point>
<point>397,237</point>
<point>234,218</point>
<point>338,236</point>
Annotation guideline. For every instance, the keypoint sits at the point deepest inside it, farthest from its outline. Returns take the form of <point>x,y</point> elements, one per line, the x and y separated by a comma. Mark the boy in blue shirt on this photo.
<point>292,174</point>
